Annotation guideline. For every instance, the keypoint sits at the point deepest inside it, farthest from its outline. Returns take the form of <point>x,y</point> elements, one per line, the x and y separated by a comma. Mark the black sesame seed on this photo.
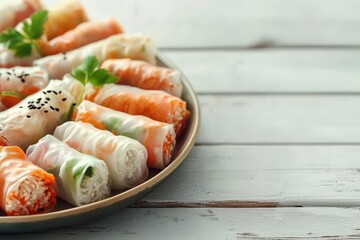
<point>47,98</point>
<point>8,73</point>
<point>26,74</point>
<point>8,79</point>
<point>60,92</point>
<point>52,108</point>
<point>74,104</point>
<point>20,106</point>
<point>42,104</point>
<point>46,111</point>
<point>46,102</point>
<point>44,92</point>
<point>48,91</point>
<point>28,116</point>
<point>56,109</point>
<point>22,80</point>
<point>55,92</point>
<point>64,99</point>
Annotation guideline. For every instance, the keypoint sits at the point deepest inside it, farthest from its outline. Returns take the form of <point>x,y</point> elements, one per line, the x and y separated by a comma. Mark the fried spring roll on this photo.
<point>25,188</point>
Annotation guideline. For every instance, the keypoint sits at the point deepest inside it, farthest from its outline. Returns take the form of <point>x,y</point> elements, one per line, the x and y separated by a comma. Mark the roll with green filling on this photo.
<point>81,178</point>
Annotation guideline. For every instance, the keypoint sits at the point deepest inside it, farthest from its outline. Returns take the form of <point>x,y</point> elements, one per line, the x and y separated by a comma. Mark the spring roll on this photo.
<point>157,137</point>
<point>125,157</point>
<point>134,46</point>
<point>19,82</point>
<point>144,75</point>
<point>14,11</point>
<point>64,17</point>
<point>155,104</point>
<point>81,178</point>
<point>85,33</point>
<point>25,188</point>
<point>37,115</point>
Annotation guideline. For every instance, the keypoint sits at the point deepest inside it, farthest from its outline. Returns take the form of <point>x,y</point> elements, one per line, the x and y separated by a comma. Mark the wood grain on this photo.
<point>306,71</point>
<point>262,119</point>
<point>208,223</point>
<point>265,176</point>
<point>246,23</point>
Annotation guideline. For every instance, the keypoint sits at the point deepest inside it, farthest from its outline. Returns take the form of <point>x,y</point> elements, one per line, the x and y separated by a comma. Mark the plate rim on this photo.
<point>158,178</point>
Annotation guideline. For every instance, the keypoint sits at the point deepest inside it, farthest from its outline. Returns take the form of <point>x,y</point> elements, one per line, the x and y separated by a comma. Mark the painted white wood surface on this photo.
<point>271,70</point>
<point>219,223</point>
<point>214,23</point>
<point>279,175</point>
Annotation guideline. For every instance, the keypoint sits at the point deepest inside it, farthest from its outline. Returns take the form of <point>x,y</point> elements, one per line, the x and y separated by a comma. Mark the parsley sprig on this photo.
<point>23,42</point>
<point>89,72</point>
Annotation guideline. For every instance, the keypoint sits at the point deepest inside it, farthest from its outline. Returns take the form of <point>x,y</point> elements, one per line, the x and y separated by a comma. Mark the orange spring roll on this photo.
<point>144,75</point>
<point>63,18</point>
<point>25,188</point>
<point>14,11</point>
<point>82,35</point>
<point>157,105</point>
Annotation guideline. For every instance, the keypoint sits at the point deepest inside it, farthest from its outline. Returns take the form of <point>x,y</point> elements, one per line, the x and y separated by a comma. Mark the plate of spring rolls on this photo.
<point>92,119</point>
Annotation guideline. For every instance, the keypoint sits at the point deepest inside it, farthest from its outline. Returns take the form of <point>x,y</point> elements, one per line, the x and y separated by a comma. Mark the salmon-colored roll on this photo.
<point>157,137</point>
<point>14,11</point>
<point>82,35</point>
<point>154,104</point>
<point>144,75</point>
<point>25,188</point>
<point>64,17</point>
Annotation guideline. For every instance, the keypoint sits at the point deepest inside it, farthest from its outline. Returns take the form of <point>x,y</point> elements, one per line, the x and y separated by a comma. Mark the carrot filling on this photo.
<point>36,194</point>
<point>168,147</point>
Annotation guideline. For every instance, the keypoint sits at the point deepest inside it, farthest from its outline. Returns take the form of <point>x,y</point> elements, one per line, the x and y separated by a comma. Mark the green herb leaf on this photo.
<point>22,43</point>
<point>89,172</point>
<point>88,72</point>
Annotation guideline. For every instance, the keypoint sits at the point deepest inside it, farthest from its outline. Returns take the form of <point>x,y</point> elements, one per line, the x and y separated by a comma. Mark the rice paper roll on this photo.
<point>157,137</point>
<point>64,17</point>
<point>155,104</point>
<point>25,188</point>
<point>83,34</point>
<point>14,11</point>
<point>125,157</point>
<point>134,46</point>
<point>81,178</point>
<point>37,115</point>
<point>144,75</point>
<point>19,82</point>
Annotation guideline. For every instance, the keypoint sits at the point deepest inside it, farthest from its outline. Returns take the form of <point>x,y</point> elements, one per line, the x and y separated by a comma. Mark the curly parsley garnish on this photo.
<point>22,43</point>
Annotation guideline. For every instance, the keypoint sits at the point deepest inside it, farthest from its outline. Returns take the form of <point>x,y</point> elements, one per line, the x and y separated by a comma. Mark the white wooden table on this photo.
<point>278,154</point>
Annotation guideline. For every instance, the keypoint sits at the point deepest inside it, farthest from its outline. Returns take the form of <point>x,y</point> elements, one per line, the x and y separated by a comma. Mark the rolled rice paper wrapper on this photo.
<point>125,157</point>
<point>134,46</point>
<point>20,82</point>
<point>83,34</point>
<point>25,188</point>
<point>64,17</point>
<point>14,11</point>
<point>157,137</point>
<point>37,115</point>
<point>81,178</point>
<point>155,104</point>
<point>144,75</point>
<point>8,59</point>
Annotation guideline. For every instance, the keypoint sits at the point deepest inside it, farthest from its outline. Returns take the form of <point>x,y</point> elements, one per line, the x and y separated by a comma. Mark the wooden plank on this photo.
<point>263,176</point>
<point>262,119</point>
<point>209,23</point>
<point>207,223</point>
<point>271,70</point>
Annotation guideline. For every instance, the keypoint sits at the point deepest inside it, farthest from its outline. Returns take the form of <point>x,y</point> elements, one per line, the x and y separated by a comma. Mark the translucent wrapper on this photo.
<point>157,137</point>
<point>85,33</point>
<point>8,59</point>
<point>144,75</point>
<point>81,178</point>
<point>25,188</point>
<point>20,82</point>
<point>64,17</point>
<point>125,157</point>
<point>134,46</point>
<point>37,115</point>
<point>157,105</point>
<point>14,11</point>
